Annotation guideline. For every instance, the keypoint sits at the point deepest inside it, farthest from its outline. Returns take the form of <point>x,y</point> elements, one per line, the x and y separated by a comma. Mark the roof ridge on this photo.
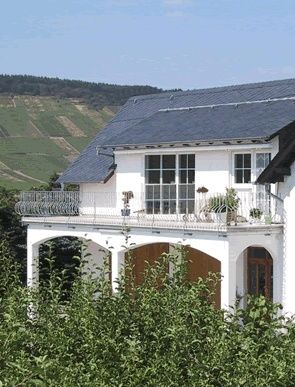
<point>228,104</point>
<point>211,89</point>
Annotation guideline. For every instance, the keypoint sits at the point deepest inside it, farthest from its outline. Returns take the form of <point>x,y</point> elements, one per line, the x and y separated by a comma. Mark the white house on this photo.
<point>162,166</point>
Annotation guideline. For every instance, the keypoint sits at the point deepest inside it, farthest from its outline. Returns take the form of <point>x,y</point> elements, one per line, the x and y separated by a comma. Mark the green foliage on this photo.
<point>223,203</point>
<point>13,234</point>
<point>95,94</point>
<point>46,122</point>
<point>255,213</point>
<point>164,333</point>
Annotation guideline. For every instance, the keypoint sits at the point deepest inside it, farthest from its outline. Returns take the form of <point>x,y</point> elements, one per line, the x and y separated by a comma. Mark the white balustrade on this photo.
<point>210,210</point>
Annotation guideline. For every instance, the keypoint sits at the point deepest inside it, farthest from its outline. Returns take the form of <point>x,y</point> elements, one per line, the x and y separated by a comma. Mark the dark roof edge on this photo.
<point>280,165</point>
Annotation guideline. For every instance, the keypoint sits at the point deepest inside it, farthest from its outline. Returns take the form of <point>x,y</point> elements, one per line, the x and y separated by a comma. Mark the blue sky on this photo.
<point>166,43</point>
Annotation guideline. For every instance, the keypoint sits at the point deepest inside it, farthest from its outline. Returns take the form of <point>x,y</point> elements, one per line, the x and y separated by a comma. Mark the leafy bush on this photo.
<point>224,203</point>
<point>163,333</point>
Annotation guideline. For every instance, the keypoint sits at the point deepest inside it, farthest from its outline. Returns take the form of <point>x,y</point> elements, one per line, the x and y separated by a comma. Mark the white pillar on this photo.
<point>94,258</point>
<point>118,258</point>
<point>32,265</point>
<point>287,276</point>
<point>228,283</point>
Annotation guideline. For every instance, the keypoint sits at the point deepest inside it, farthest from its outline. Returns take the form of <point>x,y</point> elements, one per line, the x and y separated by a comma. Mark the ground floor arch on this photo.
<point>63,248</point>
<point>254,275</point>
<point>199,264</point>
<point>224,251</point>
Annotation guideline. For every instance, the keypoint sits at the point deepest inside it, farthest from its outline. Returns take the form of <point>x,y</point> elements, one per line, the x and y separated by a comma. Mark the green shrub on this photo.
<point>163,333</point>
<point>224,203</point>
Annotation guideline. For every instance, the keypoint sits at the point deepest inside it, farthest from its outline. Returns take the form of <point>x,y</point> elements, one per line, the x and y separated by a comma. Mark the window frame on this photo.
<point>254,175</point>
<point>161,184</point>
<point>234,169</point>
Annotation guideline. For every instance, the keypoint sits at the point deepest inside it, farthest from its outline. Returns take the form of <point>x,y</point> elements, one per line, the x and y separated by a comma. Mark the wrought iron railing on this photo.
<point>230,208</point>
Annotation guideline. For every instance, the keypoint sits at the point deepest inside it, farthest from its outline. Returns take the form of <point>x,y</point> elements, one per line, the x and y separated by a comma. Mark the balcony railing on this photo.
<point>210,210</point>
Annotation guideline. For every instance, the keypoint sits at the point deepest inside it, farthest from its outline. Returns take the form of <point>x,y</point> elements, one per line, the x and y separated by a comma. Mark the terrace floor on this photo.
<point>117,222</point>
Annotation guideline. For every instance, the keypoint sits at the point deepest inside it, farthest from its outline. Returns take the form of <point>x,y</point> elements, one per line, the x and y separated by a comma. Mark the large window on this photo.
<point>242,168</point>
<point>170,184</point>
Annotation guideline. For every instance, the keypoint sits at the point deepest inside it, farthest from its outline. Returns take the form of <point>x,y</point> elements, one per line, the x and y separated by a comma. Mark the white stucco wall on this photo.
<point>213,170</point>
<point>287,191</point>
<point>95,258</point>
<point>227,248</point>
<point>107,198</point>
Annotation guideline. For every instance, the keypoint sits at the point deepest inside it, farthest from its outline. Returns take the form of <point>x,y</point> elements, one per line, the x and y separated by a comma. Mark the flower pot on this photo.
<point>218,217</point>
<point>125,212</point>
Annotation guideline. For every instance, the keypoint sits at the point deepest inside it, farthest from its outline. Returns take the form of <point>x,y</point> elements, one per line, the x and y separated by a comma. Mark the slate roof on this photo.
<point>142,115</point>
<point>228,122</point>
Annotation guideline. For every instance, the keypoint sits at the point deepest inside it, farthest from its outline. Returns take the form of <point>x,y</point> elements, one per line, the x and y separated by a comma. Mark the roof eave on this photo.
<point>234,141</point>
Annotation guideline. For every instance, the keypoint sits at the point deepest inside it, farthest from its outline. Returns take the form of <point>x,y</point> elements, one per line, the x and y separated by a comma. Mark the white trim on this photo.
<point>193,150</point>
<point>236,104</point>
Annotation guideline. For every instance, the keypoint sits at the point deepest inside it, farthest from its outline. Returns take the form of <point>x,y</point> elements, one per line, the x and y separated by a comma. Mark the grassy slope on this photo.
<point>41,135</point>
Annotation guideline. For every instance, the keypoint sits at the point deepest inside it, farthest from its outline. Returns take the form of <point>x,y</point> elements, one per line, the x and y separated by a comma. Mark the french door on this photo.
<point>260,272</point>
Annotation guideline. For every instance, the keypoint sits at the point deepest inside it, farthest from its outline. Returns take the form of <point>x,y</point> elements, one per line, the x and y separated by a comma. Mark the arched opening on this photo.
<point>254,273</point>
<point>199,264</point>
<point>58,254</point>
<point>64,255</point>
<point>259,272</point>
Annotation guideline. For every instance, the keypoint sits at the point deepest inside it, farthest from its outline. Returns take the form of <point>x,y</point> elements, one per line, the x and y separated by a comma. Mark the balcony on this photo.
<point>210,211</point>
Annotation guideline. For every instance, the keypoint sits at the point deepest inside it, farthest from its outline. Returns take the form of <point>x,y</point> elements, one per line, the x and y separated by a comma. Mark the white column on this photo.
<point>32,265</point>
<point>287,276</point>
<point>228,283</point>
<point>117,266</point>
<point>94,260</point>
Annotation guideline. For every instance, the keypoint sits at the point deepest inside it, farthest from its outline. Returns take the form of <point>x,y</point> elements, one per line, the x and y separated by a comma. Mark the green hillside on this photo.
<point>46,122</point>
<point>41,135</point>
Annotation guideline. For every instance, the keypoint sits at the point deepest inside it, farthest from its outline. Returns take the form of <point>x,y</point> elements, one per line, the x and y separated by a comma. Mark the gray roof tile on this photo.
<point>229,122</point>
<point>139,113</point>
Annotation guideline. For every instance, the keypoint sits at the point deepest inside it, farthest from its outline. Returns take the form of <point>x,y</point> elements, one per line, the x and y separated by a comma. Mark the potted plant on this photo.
<point>232,205</point>
<point>217,207</point>
<point>225,206</point>
<point>127,196</point>
<point>255,213</point>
